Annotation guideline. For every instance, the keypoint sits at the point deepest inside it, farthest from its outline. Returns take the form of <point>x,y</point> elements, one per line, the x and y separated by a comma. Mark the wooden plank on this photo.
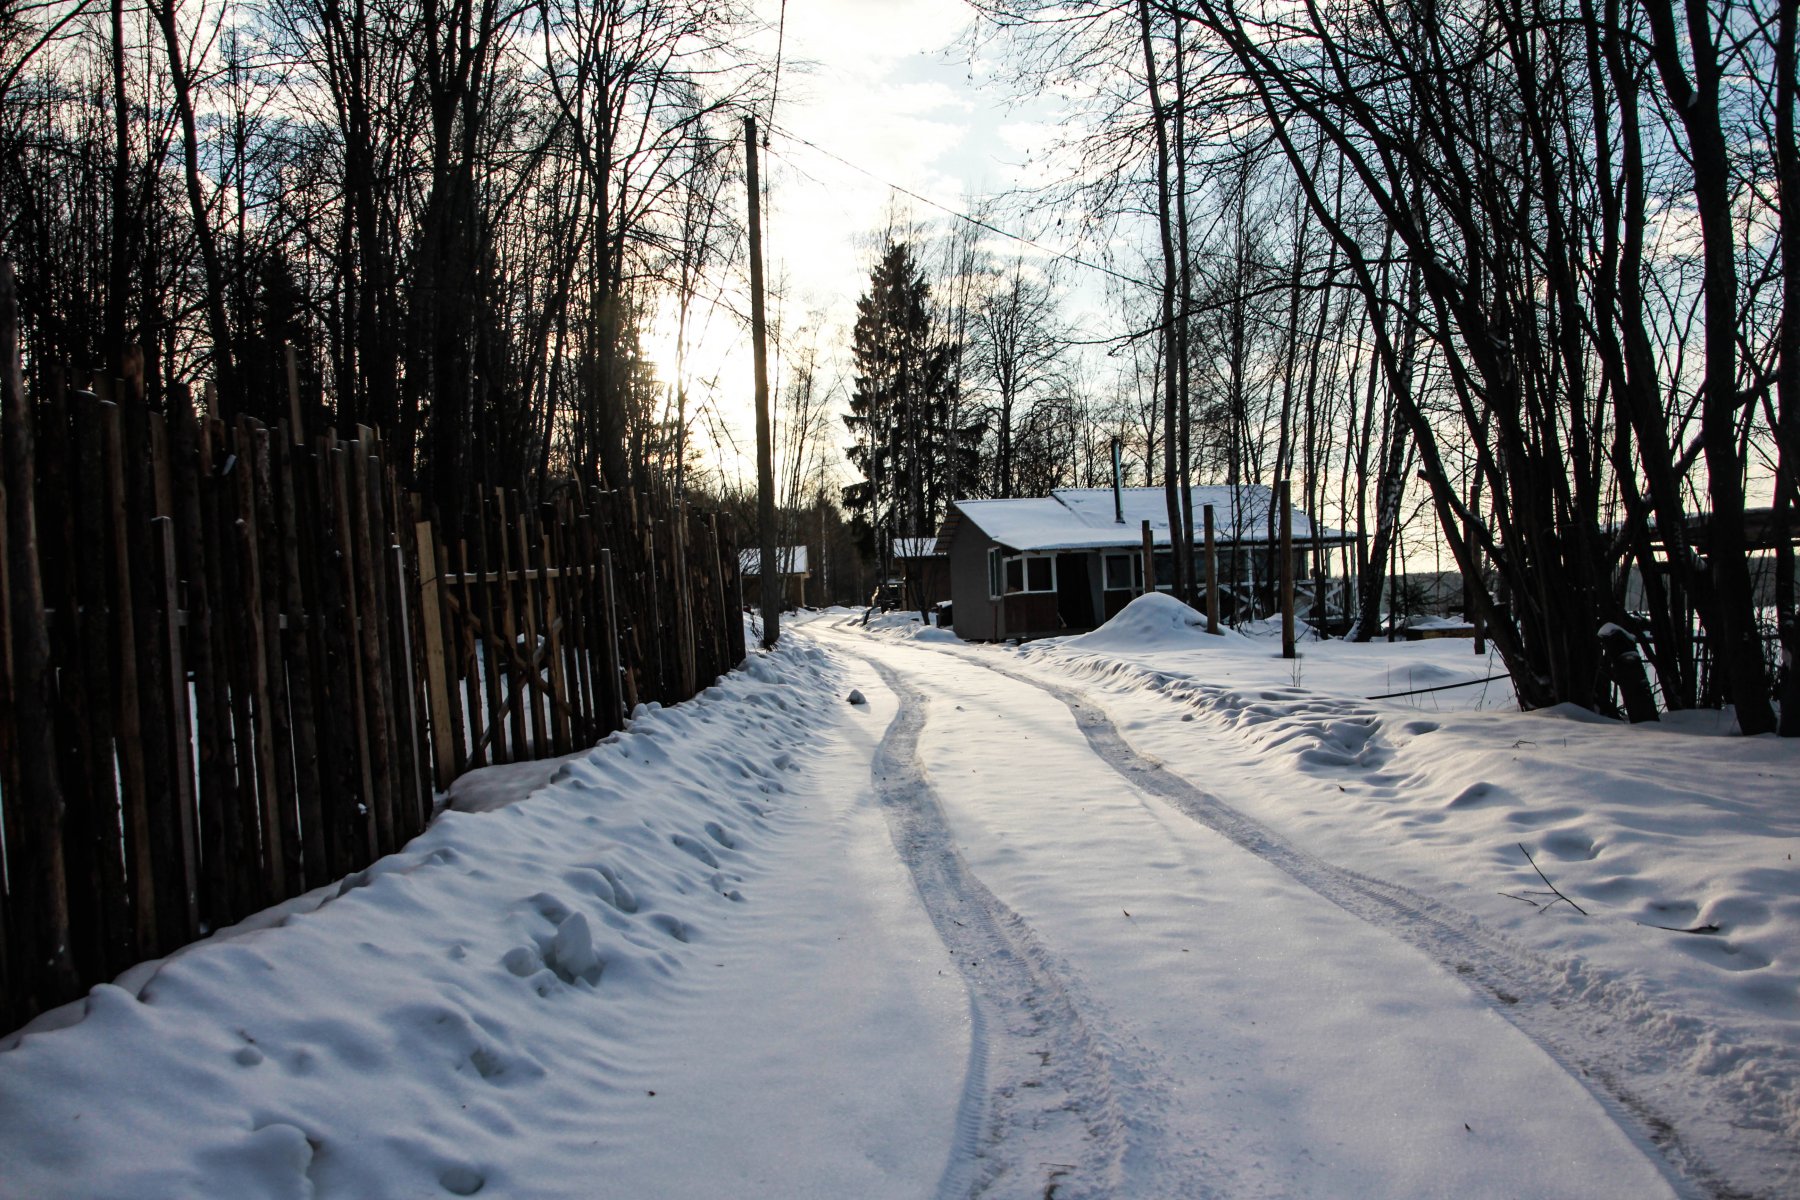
<point>406,654</point>
<point>147,461</point>
<point>145,446</point>
<point>366,833</point>
<point>333,646</point>
<point>12,972</point>
<point>522,749</point>
<point>276,731</point>
<point>99,912</point>
<point>618,682</point>
<point>578,633</point>
<point>453,660</point>
<point>237,654</point>
<point>439,685</point>
<point>256,753</point>
<point>528,611</point>
<point>376,710</point>
<point>726,614</point>
<point>299,599</point>
<point>190,466</point>
<point>477,675</point>
<point>416,793</point>
<point>40,892</point>
<point>401,799</point>
<point>683,568</point>
<point>493,663</point>
<point>559,682</point>
<point>179,878</point>
<point>133,784</point>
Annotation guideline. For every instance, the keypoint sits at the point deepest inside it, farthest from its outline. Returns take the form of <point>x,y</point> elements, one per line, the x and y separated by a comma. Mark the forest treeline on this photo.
<point>1522,262</point>
<point>1517,269</point>
<point>462,215</point>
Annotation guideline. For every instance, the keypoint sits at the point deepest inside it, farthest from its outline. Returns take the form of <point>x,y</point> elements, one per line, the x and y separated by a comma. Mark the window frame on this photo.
<point>1003,566</point>
<point>1134,573</point>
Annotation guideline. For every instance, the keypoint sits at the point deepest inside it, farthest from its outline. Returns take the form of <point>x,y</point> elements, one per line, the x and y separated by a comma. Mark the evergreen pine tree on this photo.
<point>912,461</point>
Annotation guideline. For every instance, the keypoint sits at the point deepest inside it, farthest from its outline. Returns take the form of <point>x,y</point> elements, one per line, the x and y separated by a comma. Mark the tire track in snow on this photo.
<point>1574,1029</point>
<point>1039,1116</point>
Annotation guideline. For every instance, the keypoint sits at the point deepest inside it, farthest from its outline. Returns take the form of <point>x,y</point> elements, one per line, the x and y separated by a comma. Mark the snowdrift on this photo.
<point>1151,621</point>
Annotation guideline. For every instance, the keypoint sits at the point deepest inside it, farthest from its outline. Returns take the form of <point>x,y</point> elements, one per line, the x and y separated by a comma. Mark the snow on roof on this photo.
<point>924,547</point>
<point>791,560</point>
<point>1083,518</point>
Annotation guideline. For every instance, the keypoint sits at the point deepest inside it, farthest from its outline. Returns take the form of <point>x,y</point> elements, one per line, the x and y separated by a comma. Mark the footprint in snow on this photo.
<point>697,849</point>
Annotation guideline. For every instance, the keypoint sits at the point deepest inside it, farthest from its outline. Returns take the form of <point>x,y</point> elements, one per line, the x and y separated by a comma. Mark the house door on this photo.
<point>1075,591</point>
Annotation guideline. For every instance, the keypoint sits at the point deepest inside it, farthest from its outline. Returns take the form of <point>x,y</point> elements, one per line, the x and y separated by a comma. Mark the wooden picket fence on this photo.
<point>543,629</point>
<point>235,665</point>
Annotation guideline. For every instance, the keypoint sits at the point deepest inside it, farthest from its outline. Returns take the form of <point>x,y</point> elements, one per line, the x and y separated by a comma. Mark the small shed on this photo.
<point>792,563</point>
<point>924,571</point>
<point>1067,562</point>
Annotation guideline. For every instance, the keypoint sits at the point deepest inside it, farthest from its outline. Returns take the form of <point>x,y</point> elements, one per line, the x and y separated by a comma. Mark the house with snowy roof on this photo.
<point>1067,562</point>
<point>790,565</point>
<point>923,570</point>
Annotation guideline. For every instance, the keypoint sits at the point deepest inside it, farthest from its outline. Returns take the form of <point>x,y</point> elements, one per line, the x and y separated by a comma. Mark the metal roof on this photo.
<point>1086,518</point>
<point>790,559</point>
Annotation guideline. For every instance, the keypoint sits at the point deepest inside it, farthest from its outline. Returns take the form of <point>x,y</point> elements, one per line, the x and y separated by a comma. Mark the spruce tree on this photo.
<point>912,461</point>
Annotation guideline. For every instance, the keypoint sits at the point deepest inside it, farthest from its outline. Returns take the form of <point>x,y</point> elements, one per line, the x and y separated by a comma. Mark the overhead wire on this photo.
<point>977,222</point>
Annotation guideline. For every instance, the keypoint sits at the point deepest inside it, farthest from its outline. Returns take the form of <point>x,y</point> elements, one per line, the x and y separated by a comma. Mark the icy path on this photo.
<point>1235,1032</point>
<point>938,945</point>
<point>690,966</point>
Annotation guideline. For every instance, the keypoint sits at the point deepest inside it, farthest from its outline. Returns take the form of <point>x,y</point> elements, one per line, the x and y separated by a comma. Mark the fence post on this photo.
<point>408,681</point>
<point>40,893</point>
<point>1287,568</point>
<point>553,640</point>
<point>437,671</point>
<point>182,775</point>
<point>1212,572</point>
<point>128,714</point>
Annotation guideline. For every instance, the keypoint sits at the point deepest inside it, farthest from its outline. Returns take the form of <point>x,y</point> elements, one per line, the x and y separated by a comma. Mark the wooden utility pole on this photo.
<point>1282,492</point>
<point>765,457</point>
<point>1212,572</point>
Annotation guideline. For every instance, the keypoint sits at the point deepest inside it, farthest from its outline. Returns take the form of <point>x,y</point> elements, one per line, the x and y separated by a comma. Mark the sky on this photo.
<point>873,96</point>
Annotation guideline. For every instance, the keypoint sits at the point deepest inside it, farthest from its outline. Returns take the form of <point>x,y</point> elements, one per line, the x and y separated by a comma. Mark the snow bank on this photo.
<point>1678,843</point>
<point>1152,621</point>
<point>470,1014</point>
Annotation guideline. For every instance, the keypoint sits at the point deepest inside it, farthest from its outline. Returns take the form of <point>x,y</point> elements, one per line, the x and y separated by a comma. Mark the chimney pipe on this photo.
<point>1118,481</point>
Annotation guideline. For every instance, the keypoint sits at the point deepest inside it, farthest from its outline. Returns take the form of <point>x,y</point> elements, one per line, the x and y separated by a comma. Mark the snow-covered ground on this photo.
<point>1144,913</point>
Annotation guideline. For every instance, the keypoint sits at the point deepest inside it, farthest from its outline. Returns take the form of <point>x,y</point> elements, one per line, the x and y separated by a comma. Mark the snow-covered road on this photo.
<point>1013,925</point>
<point>1232,1031</point>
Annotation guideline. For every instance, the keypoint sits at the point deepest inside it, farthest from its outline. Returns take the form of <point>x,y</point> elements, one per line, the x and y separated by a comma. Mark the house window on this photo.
<point>1124,572</point>
<point>1165,570</point>
<point>1010,574</point>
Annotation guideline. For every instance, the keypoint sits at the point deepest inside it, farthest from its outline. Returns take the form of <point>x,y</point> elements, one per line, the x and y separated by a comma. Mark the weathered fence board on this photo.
<point>236,665</point>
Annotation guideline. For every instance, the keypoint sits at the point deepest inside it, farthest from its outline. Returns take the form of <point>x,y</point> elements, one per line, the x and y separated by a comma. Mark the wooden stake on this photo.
<point>1149,559</point>
<point>1212,572</point>
<point>40,895</point>
<point>437,670</point>
<point>1282,492</point>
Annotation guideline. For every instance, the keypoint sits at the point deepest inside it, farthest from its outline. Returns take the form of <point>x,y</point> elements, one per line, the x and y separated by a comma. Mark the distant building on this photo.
<point>924,572</point>
<point>792,563</point>
<point>1069,561</point>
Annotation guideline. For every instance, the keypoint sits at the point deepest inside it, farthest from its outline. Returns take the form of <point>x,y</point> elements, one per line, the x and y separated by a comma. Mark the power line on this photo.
<point>1058,255</point>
